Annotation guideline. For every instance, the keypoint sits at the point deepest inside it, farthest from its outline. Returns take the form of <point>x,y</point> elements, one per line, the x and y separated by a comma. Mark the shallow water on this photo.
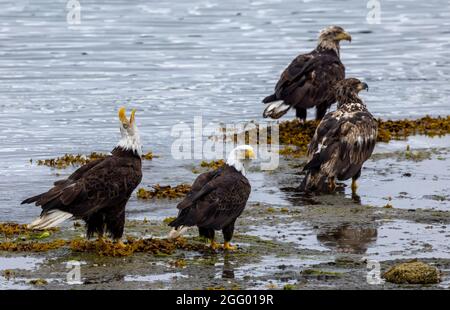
<point>166,277</point>
<point>18,262</point>
<point>13,263</point>
<point>420,182</point>
<point>402,239</point>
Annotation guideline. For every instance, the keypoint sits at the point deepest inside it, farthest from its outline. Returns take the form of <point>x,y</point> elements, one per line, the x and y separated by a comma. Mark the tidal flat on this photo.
<point>285,240</point>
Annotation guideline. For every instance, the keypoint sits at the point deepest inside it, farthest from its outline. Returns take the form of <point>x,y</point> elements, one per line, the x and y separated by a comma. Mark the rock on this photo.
<point>413,272</point>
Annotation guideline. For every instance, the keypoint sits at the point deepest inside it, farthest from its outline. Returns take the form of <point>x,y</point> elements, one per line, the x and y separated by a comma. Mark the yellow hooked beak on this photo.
<point>250,154</point>
<point>344,36</point>
<point>123,116</point>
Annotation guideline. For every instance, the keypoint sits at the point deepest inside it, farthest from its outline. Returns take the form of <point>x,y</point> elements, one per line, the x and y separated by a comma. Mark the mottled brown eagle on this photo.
<point>98,191</point>
<point>217,199</point>
<point>343,141</point>
<point>308,81</point>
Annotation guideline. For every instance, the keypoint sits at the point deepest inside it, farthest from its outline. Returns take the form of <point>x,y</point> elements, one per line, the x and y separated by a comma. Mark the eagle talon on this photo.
<point>228,247</point>
<point>214,245</point>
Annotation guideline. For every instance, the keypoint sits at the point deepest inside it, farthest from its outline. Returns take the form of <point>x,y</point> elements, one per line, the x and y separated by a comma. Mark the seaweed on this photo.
<point>148,156</point>
<point>11,229</point>
<point>413,272</point>
<point>401,129</point>
<point>164,192</point>
<point>178,263</point>
<point>320,273</point>
<point>169,220</point>
<point>213,164</point>
<point>32,246</point>
<point>38,282</point>
<point>296,135</point>
<point>208,166</point>
<point>288,287</point>
<point>105,247</point>
<point>69,160</point>
<point>9,274</point>
<point>152,246</point>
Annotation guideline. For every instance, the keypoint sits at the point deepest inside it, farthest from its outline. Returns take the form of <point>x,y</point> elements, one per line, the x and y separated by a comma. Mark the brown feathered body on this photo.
<point>96,193</point>
<point>307,82</point>
<point>343,141</point>
<point>216,200</point>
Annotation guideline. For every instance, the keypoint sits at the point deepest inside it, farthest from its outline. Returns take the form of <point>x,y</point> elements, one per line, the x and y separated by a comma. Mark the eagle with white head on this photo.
<point>217,199</point>
<point>98,191</point>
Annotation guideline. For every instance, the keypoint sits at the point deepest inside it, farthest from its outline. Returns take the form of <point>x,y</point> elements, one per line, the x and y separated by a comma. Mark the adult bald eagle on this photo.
<point>98,191</point>
<point>343,141</point>
<point>308,81</point>
<point>217,199</point>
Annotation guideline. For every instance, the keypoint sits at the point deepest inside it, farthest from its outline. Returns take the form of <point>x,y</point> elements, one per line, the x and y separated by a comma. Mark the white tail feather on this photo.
<point>176,232</point>
<point>49,220</point>
<point>276,109</point>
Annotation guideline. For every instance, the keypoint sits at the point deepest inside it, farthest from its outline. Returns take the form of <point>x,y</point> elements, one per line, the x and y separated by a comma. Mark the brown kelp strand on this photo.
<point>69,160</point>
<point>79,159</point>
<point>401,129</point>
<point>169,220</point>
<point>213,164</point>
<point>38,282</point>
<point>206,166</point>
<point>13,246</point>
<point>164,192</point>
<point>11,229</point>
<point>104,247</point>
<point>296,135</point>
<point>148,156</point>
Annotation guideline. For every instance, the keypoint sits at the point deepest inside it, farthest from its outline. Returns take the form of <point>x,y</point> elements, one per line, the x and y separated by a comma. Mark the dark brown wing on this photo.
<point>199,188</point>
<point>77,174</point>
<point>44,198</point>
<point>97,185</point>
<point>358,138</point>
<point>218,203</point>
<point>343,141</point>
<point>326,132</point>
<point>292,73</point>
<point>308,81</point>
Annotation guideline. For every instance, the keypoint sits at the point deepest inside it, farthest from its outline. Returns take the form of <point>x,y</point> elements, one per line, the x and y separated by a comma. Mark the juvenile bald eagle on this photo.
<point>217,199</point>
<point>98,191</point>
<point>308,81</point>
<point>343,141</point>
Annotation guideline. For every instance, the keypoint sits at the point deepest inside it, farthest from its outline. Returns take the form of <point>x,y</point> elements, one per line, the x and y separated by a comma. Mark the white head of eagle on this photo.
<point>130,139</point>
<point>98,191</point>
<point>241,157</point>
<point>330,37</point>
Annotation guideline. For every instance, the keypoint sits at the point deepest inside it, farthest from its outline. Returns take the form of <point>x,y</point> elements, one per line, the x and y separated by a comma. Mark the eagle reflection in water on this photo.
<point>347,238</point>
